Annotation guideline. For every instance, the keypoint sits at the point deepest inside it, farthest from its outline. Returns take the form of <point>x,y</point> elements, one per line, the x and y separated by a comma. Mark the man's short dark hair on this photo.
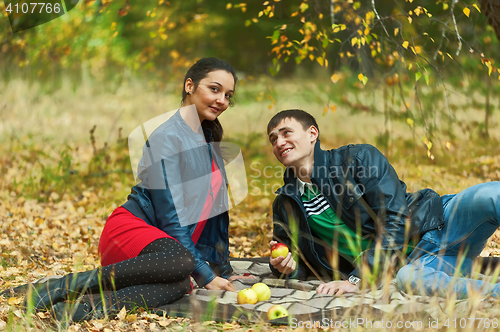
<point>304,118</point>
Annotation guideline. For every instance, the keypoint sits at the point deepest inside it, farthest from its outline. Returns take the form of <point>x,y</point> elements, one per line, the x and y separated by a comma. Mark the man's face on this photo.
<point>292,145</point>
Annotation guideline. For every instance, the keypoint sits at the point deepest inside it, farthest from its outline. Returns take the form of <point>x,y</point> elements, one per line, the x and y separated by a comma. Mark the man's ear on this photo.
<point>313,133</point>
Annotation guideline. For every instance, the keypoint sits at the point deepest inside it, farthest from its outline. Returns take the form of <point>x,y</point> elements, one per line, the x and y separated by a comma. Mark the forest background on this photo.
<point>417,80</point>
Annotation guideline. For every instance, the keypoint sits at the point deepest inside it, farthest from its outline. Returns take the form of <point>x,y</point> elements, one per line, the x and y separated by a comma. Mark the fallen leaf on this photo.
<point>122,314</point>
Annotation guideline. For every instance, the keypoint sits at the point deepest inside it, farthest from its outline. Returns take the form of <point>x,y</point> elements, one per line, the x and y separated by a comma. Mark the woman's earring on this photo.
<point>188,93</point>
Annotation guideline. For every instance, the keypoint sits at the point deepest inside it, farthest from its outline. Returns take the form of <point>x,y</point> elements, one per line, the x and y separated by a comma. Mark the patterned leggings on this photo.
<point>158,276</point>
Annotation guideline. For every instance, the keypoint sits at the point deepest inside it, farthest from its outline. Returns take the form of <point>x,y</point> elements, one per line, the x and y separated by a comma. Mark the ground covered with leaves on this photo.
<point>58,184</point>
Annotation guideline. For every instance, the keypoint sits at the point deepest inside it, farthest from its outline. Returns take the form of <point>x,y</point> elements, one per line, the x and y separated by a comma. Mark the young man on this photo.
<point>352,218</point>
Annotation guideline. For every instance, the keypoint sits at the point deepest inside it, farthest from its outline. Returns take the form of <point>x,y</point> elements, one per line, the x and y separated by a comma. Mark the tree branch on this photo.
<point>456,27</point>
<point>332,11</point>
<point>378,17</point>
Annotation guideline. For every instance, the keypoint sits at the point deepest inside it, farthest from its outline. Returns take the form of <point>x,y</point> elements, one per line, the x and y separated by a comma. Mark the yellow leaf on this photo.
<point>449,55</point>
<point>410,122</point>
<point>405,44</point>
<point>396,31</point>
<point>325,109</point>
<point>229,6</point>
<point>410,19</point>
<point>475,6</point>
<point>15,300</point>
<point>445,6</point>
<point>122,314</point>
<point>466,11</point>
<point>354,41</point>
<point>164,322</point>
<point>360,77</point>
<point>42,315</point>
<point>335,78</point>
<point>132,318</point>
<point>320,61</point>
<point>333,108</point>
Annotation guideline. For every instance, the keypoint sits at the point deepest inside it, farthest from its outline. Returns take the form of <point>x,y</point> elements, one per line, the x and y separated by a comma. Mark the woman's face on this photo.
<point>211,96</point>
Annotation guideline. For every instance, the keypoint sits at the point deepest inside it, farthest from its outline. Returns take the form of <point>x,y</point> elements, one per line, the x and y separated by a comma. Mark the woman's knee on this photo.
<point>187,259</point>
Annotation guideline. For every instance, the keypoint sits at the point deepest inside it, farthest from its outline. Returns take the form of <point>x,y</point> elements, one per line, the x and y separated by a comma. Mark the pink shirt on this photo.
<point>216,183</point>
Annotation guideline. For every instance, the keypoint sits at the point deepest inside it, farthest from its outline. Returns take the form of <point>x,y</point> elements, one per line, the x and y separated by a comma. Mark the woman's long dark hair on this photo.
<point>196,73</point>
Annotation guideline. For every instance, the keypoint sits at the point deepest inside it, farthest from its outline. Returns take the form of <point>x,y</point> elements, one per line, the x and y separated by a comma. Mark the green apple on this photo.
<point>262,290</point>
<point>279,249</point>
<point>247,295</point>
<point>276,311</point>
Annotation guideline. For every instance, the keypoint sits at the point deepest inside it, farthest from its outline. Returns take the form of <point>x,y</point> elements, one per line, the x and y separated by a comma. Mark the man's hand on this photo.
<point>285,265</point>
<point>337,288</point>
<point>219,283</point>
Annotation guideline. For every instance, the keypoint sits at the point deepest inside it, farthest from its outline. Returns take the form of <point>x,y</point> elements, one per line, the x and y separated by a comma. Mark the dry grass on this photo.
<point>58,232</point>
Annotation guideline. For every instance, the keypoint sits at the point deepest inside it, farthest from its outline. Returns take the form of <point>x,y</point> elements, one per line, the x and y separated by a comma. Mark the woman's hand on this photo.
<point>219,283</point>
<point>337,288</point>
<point>283,264</point>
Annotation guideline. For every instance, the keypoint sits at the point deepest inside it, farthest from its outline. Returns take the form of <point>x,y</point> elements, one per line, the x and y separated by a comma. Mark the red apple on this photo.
<point>276,311</point>
<point>262,290</point>
<point>279,249</point>
<point>247,295</point>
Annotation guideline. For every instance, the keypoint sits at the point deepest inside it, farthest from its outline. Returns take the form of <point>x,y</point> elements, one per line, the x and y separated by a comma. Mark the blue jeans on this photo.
<point>442,260</point>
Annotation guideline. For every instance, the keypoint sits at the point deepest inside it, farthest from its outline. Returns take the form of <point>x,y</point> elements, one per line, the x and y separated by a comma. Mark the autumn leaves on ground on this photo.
<point>61,176</point>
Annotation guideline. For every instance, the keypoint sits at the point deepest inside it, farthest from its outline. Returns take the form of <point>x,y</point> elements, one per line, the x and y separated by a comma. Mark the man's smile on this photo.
<point>286,151</point>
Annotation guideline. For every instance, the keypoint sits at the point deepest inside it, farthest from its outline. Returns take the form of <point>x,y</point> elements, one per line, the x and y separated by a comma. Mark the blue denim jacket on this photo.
<point>175,182</point>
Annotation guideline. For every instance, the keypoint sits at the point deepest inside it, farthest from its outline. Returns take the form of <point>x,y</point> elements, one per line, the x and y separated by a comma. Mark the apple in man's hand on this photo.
<point>262,290</point>
<point>279,249</point>
<point>276,311</point>
<point>247,295</point>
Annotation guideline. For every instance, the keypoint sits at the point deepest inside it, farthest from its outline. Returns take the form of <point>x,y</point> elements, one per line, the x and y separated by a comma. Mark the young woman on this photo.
<point>174,221</point>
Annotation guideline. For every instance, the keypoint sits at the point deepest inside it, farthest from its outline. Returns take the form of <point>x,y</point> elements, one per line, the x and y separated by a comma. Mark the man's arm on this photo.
<point>385,201</point>
<point>286,266</point>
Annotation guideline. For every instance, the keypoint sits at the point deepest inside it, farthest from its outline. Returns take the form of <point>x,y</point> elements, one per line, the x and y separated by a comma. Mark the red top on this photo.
<point>216,183</point>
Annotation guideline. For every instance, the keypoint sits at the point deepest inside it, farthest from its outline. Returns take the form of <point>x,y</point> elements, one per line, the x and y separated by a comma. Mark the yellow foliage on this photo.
<point>335,78</point>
